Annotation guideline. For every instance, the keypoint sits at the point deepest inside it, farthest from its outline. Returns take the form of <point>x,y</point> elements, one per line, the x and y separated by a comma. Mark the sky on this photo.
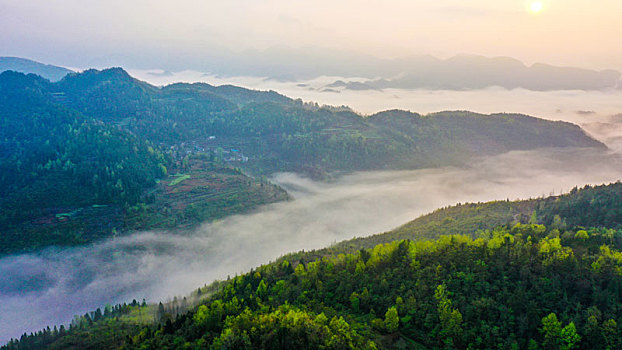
<point>186,34</point>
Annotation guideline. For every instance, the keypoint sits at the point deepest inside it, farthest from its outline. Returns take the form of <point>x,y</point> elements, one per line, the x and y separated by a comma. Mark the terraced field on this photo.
<point>207,191</point>
<point>203,191</point>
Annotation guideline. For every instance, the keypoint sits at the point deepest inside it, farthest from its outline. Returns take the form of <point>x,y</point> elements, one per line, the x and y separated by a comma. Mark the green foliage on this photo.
<point>591,206</point>
<point>178,179</point>
<point>210,191</point>
<point>262,289</point>
<point>518,285</point>
<point>513,289</point>
<point>569,336</point>
<point>391,320</point>
<point>110,136</point>
<point>105,138</point>
<point>581,234</point>
<point>450,318</point>
<point>556,337</point>
<point>611,334</point>
<point>106,329</point>
<point>286,328</point>
<point>552,332</point>
<point>54,160</point>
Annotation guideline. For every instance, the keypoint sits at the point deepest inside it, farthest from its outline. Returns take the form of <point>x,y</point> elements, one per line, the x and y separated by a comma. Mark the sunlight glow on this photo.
<point>535,7</point>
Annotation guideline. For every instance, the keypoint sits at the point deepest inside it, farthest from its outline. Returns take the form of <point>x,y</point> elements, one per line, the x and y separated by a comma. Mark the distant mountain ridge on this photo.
<point>460,72</point>
<point>476,72</point>
<point>23,65</point>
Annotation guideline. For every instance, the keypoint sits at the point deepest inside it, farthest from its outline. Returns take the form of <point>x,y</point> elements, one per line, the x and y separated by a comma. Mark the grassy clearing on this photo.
<point>179,179</point>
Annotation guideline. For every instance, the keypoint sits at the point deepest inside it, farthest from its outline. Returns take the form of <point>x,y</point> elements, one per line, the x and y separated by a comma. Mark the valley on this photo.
<point>216,198</point>
<point>157,265</point>
<point>267,175</point>
<point>425,291</point>
<point>83,158</point>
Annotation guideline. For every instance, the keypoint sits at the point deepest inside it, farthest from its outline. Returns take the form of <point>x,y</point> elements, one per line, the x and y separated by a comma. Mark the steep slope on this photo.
<point>280,134</point>
<point>524,286</point>
<point>67,178</point>
<point>590,206</point>
<point>499,291</point>
<point>129,134</point>
<point>55,160</point>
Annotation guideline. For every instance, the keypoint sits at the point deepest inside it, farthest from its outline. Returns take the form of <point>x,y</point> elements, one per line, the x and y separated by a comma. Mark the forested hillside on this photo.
<point>590,206</point>
<point>67,178</point>
<point>278,133</point>
<point>55,160</point>
<point>519,285</point>
<point>281,134</point>
<point>83,158</point>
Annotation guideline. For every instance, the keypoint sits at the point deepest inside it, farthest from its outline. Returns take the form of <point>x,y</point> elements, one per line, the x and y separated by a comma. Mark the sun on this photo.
<point>535,7</point>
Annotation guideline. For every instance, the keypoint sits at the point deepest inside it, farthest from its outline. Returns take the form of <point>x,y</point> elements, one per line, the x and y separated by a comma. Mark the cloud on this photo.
<point>554,105</point>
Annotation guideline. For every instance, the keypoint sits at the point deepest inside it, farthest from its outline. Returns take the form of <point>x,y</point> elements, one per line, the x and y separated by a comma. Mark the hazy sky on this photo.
<point>154,33</point>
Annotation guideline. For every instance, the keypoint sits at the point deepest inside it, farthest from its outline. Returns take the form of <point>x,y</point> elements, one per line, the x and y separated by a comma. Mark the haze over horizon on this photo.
<point>239,35</point>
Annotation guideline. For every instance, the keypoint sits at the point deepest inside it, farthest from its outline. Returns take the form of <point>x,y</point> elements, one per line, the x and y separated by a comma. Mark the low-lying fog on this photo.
<point>51,286</point>
<point>553,104</point>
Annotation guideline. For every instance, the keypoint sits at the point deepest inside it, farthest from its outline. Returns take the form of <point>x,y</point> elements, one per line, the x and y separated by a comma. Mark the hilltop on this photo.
<point>100,153</point>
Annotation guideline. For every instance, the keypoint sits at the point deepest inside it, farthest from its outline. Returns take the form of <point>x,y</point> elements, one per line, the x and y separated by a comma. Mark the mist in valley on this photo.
<point>52,286</point>
<point>409,55</point>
